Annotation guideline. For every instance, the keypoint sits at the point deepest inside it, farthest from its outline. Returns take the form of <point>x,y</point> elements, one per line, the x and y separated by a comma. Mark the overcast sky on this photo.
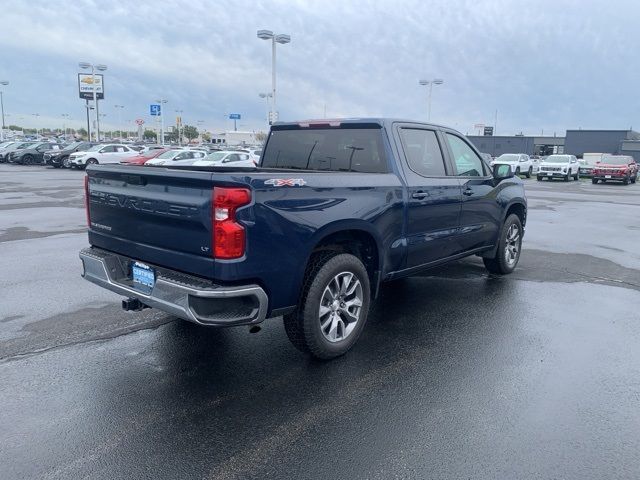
<point>543,65</point>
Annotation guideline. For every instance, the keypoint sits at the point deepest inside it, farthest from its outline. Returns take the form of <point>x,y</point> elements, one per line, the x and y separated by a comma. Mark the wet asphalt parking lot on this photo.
<point>458,374</point>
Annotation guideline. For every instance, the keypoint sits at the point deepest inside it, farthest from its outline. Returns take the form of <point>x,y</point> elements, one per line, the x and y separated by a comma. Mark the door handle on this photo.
<point>468,192</point>
<point>419,195</point>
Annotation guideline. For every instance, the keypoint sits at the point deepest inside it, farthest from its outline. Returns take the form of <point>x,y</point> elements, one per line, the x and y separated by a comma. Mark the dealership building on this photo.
<point>575,142</point>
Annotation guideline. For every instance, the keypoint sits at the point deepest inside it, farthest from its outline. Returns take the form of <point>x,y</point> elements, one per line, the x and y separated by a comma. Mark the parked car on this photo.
<point>6,144</point>
<point>33,154</point>
<point>254,153</point>
<point>7,151</point>
<point>520,162</point>
<point>311,235</point>
<point>181,156</point>
<point>227,159</point>
<point>559,166</point>
<point>101,154</point>
<point>617,168</point>
<point>143,158</point>
<point>151,148</point>
<point>590,160</point>
<point>60,158</point>
<point>535,164</point>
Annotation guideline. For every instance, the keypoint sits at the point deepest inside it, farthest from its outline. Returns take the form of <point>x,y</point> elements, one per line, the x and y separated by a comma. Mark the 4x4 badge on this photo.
<point>285,182</point>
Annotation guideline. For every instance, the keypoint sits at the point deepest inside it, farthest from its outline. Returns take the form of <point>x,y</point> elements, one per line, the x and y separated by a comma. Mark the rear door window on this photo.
<point>422,151</point>
<point>333,149</point>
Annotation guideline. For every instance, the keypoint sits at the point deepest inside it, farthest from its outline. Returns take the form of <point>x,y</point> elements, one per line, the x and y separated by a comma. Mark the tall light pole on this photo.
<point>3,83</point>
<point>275,38</point>
<point>162,102</point>
<point>200,129</point>
<point>36,115</point>
<point>266,96</point>
<point>431,83</point>
<point>119,108</point>
<point>65,117</point>
<point>102,68</point>
<point>179,124</point>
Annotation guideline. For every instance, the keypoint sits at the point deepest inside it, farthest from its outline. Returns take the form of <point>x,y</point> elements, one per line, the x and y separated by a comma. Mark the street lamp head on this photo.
<point>423,82</point>
<point>102,68</point>
<point>438,81</point>
<point>283,38</point>
<point>84,65</point>
<point>265,34</point>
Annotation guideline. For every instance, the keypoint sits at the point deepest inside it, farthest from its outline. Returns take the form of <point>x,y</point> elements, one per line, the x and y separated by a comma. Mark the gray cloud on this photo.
<point>543,65</point>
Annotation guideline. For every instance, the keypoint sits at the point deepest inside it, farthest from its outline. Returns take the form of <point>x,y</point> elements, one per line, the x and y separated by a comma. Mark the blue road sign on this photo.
<point>154,109</point>
<point>234,116</point>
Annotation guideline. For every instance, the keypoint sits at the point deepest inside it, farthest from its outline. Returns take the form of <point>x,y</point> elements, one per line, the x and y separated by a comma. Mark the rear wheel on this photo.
<point>333,308</point>
<point>509,247</point>
<point>92,161</point>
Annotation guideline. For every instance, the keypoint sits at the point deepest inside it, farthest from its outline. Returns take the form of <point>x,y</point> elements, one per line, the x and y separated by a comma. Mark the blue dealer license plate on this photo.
<point>143,275</point>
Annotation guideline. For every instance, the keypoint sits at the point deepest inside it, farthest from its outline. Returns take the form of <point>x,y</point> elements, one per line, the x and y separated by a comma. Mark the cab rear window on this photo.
<point>334,149</point>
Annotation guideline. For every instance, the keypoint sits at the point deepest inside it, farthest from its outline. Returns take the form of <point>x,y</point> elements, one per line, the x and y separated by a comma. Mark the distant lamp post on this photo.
<point>3,83</point>
<point>36,115</point>
<point>162,102</point>
<point>119,108</point>
<point>179,124</point>
<point>431,83</point>
<point>275,38</point>
<point>101,68</point>
<point>65,117</point>
<point>266,96</point>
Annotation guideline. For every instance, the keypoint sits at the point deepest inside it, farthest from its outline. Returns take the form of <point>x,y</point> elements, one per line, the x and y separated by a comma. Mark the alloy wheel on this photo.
<point>340,307</point>
<point>512,245</point>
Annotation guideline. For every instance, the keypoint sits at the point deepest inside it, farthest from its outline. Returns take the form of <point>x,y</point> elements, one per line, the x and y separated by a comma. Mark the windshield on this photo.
<point>615,160</point>
<point>5,144</point>
<point>168,155</point>
<point>216,157</point>
<point>508,158</point>
<point>558,159</point>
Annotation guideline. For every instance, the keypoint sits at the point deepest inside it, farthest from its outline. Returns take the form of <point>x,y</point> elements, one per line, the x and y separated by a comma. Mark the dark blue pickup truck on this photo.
<point>336,208</point>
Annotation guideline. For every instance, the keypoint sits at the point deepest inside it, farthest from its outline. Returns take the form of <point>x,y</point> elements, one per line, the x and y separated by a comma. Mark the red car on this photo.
<point>618,168</point>
<point>143,157</point>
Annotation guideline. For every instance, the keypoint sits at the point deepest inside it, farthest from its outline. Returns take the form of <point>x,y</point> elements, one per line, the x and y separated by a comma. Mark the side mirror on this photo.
<point>502,171</point>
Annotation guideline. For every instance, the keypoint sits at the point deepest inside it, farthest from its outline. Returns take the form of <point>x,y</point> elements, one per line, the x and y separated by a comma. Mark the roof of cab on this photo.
<point>335,122</point>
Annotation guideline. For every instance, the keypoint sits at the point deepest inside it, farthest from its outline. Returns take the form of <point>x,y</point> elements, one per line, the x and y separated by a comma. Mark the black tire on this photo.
<point>577,176</point>
<point>91,161</point>
<point>539,178</point>
<point>594,180</point>
<point>499,264</point>
<point>529,172</point>
<point>27,160</point>
<point>633,179</point>
<point>567,177</point>
<point>517,170</point>
<point>303,325</point>
<point>64,162</point>
<point>625,181</point>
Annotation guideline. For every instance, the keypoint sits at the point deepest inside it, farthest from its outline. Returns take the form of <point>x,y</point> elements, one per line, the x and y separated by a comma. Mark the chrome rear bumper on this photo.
<point>185,296</point>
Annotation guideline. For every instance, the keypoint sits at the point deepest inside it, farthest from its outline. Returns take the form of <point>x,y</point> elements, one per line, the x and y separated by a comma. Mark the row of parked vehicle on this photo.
<point>604,168</point>
<point>81,154</point>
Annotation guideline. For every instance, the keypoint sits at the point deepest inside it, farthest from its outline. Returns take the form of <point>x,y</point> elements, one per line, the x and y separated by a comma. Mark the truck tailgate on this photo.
<point>153,216</point>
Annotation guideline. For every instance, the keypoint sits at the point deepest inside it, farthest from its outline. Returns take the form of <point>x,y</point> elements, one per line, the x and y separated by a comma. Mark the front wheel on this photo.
<point>577,175</point>
<point>539,178</point>
<point>594,180</point>
<point>517,170</point>
<point>567,177</point>
<point>66,163</point>
<point>625,181</point>
<point>509,247</point>
<point>529,172</point>
<point>333,308</point>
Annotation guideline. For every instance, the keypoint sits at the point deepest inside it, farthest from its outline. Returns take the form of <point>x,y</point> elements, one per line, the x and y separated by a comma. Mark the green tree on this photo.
<point>82,132</point>
<point>190,132</point>
<point>261,137</point>
<point>206,137</point>
<point>149,135</point>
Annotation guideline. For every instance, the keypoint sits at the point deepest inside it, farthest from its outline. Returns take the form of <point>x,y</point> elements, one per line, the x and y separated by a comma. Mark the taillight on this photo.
<point>86,199</point>
<point>228,235</point>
